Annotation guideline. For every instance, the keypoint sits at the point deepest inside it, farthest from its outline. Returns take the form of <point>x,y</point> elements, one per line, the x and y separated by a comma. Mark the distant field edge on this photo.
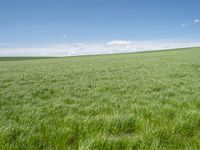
<point>18,58</point>
<point>145,51</point>
<point>15,58</point>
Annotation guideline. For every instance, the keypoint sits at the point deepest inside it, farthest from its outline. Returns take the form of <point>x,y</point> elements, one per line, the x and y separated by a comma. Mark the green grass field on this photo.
<point>125,101</point>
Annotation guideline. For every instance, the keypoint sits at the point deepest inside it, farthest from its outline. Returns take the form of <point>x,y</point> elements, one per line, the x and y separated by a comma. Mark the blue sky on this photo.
<point>68,24</point>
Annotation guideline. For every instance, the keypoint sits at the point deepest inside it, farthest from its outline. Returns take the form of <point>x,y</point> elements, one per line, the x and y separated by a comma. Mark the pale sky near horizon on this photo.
<point>79,27</point>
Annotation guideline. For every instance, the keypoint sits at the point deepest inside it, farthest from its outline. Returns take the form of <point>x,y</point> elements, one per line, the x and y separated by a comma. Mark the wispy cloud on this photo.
<point>115,46</point>
<point>183,25</point>
<point>196,21</point>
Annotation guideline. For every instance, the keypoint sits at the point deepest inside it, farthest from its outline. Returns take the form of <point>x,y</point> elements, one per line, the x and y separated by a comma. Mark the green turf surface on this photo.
<point>127,101</point>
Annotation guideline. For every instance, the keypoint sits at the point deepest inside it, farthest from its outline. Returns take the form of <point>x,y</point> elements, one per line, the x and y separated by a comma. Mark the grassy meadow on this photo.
<point>144,101</point>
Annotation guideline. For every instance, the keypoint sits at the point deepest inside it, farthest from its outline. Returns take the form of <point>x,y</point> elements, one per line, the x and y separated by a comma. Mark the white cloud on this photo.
<point>74,49</point>
<point>118,43</point>
<point>166,45</point>
<point>196,21</point>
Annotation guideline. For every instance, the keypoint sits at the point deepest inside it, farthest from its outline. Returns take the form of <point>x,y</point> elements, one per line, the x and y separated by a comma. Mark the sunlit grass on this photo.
<point>127,101</point>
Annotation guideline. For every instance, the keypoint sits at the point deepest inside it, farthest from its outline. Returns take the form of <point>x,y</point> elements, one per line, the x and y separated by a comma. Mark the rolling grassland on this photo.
<point>141,101</point>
